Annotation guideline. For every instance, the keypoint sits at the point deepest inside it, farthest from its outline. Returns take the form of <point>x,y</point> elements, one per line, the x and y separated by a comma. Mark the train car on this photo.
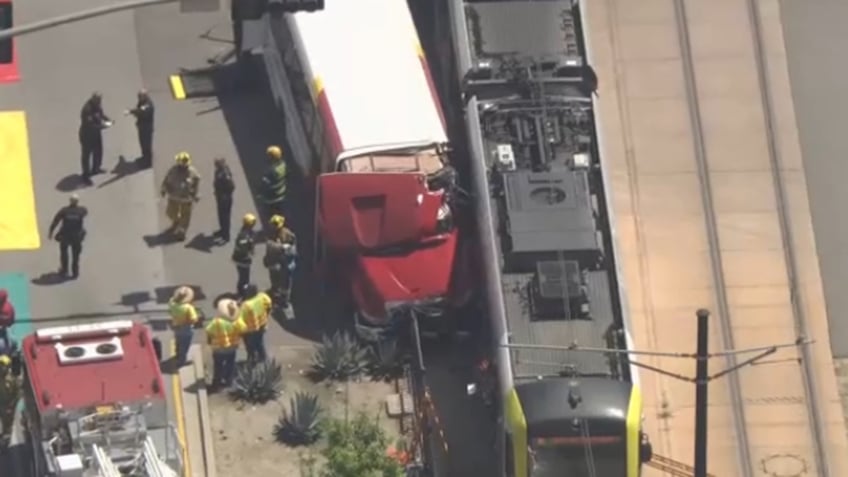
<point>568,406</point>
<point>359,100</point>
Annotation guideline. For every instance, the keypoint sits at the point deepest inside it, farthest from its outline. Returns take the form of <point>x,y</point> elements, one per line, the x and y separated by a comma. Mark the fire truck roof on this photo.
<point>81,366</point>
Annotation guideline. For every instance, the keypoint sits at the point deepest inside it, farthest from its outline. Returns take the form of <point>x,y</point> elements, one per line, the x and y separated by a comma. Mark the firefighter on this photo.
<point>280,259</point>
<point>224,334</point>
<point>255,310</point>
<point>275,182</point>
<point>243,251</point>
<point>143,112</point>
<point>224,188</point>
<point>70,221</point>
<point>9,394</point>
<point>184,316</point>
<point>92,123</point>
<point>181,186</point>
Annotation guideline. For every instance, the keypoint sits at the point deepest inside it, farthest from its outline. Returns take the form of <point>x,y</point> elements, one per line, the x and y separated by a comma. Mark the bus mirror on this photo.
<point>471,389</point>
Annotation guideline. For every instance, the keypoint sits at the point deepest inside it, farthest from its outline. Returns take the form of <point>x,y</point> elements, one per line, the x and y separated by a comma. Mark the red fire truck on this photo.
<point>389,218</point>
<point>95,403</point>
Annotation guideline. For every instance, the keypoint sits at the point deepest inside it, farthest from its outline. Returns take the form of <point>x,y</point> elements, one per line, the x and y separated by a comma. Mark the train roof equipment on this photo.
<point>96,404</point>
<point>369,76</point>
<point>552,281</point>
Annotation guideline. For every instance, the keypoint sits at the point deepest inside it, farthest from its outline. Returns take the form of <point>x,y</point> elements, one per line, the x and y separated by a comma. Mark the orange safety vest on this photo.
<point>255,311</point>
<point>223,333</point>
<point>182,314</point>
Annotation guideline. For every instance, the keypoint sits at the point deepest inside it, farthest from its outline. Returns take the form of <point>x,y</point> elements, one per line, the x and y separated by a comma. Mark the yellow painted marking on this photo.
<point>419,50</point>
<point>178,410</point>
<point>317,86</point>
<point>177,87</point>
<point>18,223</point>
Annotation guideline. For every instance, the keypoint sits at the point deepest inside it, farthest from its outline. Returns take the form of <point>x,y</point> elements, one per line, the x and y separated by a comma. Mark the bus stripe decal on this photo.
<point>330,127</point>
<point>433,91</point>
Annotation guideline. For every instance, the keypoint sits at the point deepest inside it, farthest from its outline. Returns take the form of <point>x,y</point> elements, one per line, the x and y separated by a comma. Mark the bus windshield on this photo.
<point>580,460</point>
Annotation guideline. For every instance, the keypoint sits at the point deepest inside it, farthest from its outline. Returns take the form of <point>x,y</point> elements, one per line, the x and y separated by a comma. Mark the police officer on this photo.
<point>280,259</point>
<point>143,113</point>
<point>275,182</point>
<point>243,251</point>
<point>224,188</point>
<point>92,122</point>
<point>71,233</point>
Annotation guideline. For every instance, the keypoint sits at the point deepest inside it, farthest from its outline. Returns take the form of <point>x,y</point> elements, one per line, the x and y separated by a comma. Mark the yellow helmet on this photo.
<point>274,152</point>
<point>249,220</point>
<point>183,159</point>
<point>277,221</point>
<point>5,360</point>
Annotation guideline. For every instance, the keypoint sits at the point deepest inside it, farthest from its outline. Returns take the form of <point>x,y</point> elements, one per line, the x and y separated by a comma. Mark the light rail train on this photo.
<point>546,234</point>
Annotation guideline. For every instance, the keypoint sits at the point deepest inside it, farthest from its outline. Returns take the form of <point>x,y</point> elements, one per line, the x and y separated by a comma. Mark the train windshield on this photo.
<point>578,457</point>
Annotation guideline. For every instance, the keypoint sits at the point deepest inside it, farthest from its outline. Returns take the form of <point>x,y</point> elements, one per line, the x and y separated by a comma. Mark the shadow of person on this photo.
<point>70,183</point>
<point>160,239</point>
<point>202,243</point>
<point>122,169</point>
<point>49,278</point>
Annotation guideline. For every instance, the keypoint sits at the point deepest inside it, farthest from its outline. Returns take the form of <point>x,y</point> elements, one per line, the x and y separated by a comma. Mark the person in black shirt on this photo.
<point>92,122</point>
<point>143,113</point>
<point>71,233</point>
<point>224,187</point>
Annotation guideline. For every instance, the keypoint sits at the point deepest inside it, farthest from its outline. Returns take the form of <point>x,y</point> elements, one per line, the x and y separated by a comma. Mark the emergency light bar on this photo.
<point>92,330</point>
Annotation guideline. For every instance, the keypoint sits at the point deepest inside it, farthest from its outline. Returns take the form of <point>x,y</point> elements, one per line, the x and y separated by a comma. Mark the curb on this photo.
<point>203,408</point>
<point>200,445</point>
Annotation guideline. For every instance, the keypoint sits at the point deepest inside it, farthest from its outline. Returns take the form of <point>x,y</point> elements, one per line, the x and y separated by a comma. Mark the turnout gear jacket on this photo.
<point>274,183</point>
<point>281,250</point>
<point>181,183</point>
<point>70,220</point>
<point>244,247</point>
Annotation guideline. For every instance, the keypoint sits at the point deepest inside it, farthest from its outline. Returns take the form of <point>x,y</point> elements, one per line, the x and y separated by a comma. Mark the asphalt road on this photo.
<point>814,32</point>
<point>127,272</point>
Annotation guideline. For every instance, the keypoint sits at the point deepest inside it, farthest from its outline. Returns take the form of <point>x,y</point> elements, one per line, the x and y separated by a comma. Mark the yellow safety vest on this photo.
<point>254,312</point>
<point>223,333</point>
<point>182,314</point>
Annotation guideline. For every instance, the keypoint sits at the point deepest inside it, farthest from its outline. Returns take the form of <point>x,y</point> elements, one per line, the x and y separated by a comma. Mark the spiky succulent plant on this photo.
<point>385,361</point>
<point>339,357</point>
<point>300,425</point>
<point>258,383</point>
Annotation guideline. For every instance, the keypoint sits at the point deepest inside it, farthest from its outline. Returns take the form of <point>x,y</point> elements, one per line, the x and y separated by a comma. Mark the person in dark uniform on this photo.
<point>143,113</point>
<point>243,252</point>
<point>70,221</point>
<point>224,188</point>
<point>92,122</point>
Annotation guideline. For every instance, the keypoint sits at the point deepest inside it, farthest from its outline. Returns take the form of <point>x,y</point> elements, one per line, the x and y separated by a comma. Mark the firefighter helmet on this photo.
<point>274,152</point>
<point>249,220</point>
<point>277,221</point>
<point>5,360</point>
<point>183,159</point>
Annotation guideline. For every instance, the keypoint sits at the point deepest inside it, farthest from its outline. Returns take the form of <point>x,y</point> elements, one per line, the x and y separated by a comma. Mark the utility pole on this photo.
<point>702,377</point>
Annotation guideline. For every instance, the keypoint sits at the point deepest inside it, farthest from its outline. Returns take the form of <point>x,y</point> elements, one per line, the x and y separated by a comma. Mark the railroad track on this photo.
<point>744,215</point>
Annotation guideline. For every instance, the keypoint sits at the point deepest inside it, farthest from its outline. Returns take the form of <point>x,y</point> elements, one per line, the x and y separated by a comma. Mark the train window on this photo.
<point>6,49</point>
<point>579,460</point>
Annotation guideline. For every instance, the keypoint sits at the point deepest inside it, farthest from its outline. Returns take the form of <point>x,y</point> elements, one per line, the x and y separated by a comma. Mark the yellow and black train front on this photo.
<point>574,427</point>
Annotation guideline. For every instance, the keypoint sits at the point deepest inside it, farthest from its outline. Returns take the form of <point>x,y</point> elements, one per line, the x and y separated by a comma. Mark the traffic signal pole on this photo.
<point>78,16</point>
<point>702,379</point>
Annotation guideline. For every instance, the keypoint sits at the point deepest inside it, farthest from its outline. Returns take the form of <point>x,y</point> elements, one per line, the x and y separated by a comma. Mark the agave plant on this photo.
<point>385,361</point>
<point>258,383</point>
<point>339,357</point>
<point>301,424</point>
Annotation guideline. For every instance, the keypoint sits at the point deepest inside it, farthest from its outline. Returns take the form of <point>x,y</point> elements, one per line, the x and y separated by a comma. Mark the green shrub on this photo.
<point>258,383</point>
<point>358,449</point>
<point>339,357</point>
<point>301,424</point>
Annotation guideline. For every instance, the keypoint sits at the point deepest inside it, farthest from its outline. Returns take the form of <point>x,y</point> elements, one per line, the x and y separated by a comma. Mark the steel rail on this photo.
<point>722,301</point>
<point>798,315</point>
